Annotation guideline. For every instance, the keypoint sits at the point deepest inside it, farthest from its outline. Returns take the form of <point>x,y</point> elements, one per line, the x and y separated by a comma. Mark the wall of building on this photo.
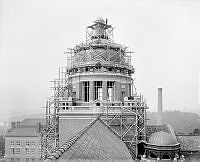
<point>22,149</point>
<point>122,85</point>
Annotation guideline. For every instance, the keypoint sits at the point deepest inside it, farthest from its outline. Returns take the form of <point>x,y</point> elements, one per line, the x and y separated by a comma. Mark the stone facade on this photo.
<point>23,141</point>
<point>100,73</point>
<point>22,149</point>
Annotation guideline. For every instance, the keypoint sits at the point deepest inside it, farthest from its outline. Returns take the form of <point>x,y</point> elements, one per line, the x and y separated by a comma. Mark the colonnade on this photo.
<point>117,92</point>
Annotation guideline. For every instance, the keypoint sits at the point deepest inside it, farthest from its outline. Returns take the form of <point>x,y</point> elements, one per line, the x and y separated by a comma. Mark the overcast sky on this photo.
<point>34,34</point>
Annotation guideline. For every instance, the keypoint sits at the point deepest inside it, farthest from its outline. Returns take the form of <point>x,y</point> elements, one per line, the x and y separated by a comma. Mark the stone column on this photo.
<point>117,91</point>
<point>83,93</point>
<point>78,90</point>
<point>113,93</point>
<point>91,94</point>
<point>128,89</point>
<point>104,90</point>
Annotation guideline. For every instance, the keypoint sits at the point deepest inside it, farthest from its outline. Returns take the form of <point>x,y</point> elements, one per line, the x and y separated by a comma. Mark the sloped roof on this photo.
<point>189,143</point>
<point>96,142</point>
<point>23,132</point>
<point>70,127</point>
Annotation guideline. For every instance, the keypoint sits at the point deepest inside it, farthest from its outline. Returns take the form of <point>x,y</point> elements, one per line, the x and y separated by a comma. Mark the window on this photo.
<point>110,91</point>
<point>12,159</point>
<point>74,94</point>
<point>123,95</point>
<point>27,151</point>
<point>27,143</point>
<point>64,105</point>
<point>18,159</point>
<point>12,143</point>
<point>33,160</point>
<point>98,90</point>
<point>17,150</point>
<point>12,150</point>
<point>129,89</point>
<point>32,151</point>
<point>40,150</point>
<point>18,143</point>
<point>86,91</point>
<point>32,143</point>
<point>27,159</point>
<point>40,144</point>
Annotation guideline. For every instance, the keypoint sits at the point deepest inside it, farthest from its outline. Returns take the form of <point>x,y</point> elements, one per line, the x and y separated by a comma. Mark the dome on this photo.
<point>162,139</point>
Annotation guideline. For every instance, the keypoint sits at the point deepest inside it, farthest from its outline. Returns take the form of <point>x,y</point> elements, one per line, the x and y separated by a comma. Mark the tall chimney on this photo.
<point>160,107</point>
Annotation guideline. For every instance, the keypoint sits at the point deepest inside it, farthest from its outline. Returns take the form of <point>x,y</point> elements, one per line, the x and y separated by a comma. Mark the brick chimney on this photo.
<point>160,107</point>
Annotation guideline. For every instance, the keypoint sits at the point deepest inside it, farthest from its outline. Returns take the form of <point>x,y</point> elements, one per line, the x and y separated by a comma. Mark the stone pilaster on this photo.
<point>128,89</point>
<point>78,90</point>
<point>83,93</point>
<point>91,94</point>
<point>117,89</point>
<point>104,90</point>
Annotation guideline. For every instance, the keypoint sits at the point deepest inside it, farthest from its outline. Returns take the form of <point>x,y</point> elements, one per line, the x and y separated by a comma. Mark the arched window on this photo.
<point>165,156</point>
<point>152,155</point>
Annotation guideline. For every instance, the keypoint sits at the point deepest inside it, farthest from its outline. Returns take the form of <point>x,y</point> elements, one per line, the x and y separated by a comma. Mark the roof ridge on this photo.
<point>57,153</point>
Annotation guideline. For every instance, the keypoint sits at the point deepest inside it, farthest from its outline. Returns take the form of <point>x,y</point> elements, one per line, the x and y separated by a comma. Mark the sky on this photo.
<point>164,35</point>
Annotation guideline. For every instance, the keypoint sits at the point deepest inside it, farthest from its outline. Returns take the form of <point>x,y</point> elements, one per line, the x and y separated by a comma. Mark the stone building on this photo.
<point>97,92</point>
<point>23,141</point>
<point>97,113</point>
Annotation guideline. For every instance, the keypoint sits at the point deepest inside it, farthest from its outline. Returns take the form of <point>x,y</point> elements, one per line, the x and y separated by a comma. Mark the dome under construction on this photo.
<point>95,92</point>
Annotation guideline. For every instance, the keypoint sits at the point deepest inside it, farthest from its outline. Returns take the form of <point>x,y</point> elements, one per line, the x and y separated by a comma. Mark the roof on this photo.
<point>189,142</point>
<point>95,142</point>
<point>150,129</point>
<point>33,121</point>
<point>23,132</point>
<point>162,139</point>
<point>70,127</point>
<point>27,128</point>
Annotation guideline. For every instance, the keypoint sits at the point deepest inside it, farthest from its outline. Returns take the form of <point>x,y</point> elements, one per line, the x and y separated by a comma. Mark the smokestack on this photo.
<point>160,107</point>
<point>160,100</point>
